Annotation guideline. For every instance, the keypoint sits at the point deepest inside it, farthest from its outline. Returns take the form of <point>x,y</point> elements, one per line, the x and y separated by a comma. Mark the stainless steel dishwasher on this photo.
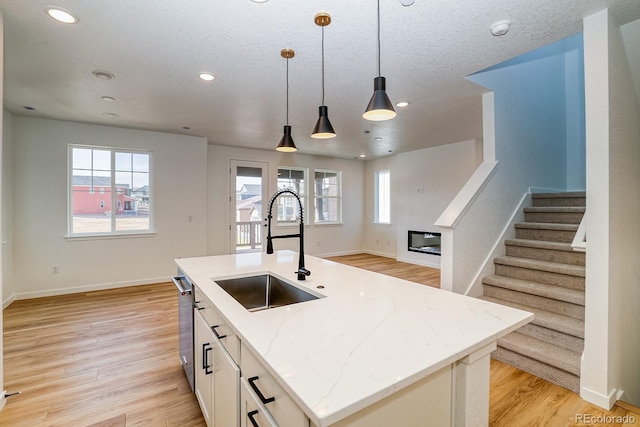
<point>185,324</point>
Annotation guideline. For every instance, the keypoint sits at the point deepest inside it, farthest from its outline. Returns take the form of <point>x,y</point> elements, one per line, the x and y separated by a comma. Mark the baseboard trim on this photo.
<point>3,399</point>
<point>337,254</point>
<point>8,301</point>
<point>628,406</point>
<point>382,254</point>
<point>604,401</point>
<point>87,288</point>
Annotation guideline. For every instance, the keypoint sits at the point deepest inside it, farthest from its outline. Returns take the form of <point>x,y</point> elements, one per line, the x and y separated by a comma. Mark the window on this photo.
<point>122,203</point>
<point>328,195</point>
<point>294,179</point>
<point>382,197</point>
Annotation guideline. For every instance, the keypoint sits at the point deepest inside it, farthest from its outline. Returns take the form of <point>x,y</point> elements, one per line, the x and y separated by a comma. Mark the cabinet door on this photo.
<point>252,412</point>
<point>204,366</point>
<point>226,387</point>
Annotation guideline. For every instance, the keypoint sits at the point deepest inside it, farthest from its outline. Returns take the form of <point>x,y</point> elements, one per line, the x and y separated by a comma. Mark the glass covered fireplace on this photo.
<point>426,242</point>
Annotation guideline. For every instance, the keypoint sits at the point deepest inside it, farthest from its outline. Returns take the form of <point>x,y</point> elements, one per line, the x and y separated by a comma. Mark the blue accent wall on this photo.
<point>539,114</point>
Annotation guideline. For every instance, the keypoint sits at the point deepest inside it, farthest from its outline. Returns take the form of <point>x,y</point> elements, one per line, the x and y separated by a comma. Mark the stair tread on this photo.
<point>549,266</point>
<point>557,226</point>
<point>559,195</point>
<point>556,322</point>
<point>556,209</point>
<point>554,292</point>
<point>541,351</point>
<point>540,244</point>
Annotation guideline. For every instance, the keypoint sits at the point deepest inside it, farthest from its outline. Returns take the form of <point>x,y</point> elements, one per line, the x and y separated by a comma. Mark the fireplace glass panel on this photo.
<point>426,242</point>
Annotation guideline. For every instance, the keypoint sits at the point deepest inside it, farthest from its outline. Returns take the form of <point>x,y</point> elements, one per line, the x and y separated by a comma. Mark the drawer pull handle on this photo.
<point>213,328</point>
<point>195,305</point>
<point>255,388</point>
<point>251,415</point>
<point>205,358</point>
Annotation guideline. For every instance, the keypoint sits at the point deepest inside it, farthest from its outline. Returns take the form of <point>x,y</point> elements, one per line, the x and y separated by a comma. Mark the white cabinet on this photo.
<point>217,376</point>
<point>252,411</point>
<point>276,404</point>
<point>203,343</point>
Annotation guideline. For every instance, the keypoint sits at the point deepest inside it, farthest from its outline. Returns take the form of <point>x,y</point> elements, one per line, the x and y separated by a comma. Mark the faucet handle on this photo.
<point>303,271</point>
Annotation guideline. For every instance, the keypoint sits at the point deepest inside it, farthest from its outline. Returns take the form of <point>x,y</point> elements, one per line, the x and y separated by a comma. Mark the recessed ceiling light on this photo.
<point>259,1</point>
<point>402,104</point>
<point>108,98</point>
<point>407,2</point>
<point>377,138</point>
<point>363,155</point>
<point>500,28</point>
<point>61,15</point>
<point>206,76</point>
<point>110,115</point>
<point>103,75</point>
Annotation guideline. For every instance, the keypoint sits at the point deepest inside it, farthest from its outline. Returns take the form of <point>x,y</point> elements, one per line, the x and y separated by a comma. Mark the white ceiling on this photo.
<point>156,48</point>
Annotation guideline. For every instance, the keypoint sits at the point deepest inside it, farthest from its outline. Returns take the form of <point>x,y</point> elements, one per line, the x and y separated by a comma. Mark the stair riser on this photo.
<point>559,363</point>
<point>539,369</point>
<point>559,201</point>
<point>573,258</point>
<point>553,337</point>
<point>562,236</point>
<point>554,217</point>
<point>548,278</point>
<point>554,306</point>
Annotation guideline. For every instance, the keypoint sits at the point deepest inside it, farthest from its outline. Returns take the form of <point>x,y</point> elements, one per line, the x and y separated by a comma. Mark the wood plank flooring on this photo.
<point>110,359</point>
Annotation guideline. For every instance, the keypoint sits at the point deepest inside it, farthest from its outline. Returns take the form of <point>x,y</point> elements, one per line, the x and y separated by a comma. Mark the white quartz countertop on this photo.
<point>370,336</point>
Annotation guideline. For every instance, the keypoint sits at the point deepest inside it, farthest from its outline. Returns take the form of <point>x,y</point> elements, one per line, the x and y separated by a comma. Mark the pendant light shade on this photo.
<point>380,107</point>
<point>323,128</point>
<point>286,144</point>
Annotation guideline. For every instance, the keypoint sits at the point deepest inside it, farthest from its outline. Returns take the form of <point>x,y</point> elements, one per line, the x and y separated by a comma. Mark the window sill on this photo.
<point>328,223</point>
<point>382,224</point>
<point>78,238</point>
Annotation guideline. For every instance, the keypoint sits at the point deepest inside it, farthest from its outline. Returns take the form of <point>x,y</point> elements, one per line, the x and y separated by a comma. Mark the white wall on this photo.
<point>425,182</point>
<point>40,209</point>
<point>2,202</point>
<point>320,240</point>
<point>612,325</point>
<point>8,286</point>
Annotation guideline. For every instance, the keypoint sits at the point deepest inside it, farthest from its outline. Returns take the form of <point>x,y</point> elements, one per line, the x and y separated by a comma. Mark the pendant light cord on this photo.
<point>323,65</point>
<point>379,72</point>
<point>287,91</point>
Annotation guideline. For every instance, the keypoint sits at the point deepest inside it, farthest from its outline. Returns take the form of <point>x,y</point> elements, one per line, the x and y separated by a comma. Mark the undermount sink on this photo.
<point>264,291</point>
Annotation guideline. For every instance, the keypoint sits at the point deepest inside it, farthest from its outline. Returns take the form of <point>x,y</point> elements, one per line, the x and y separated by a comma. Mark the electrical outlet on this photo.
<point>317,243</point>
<point>189,218</point>
<point>388,243</point>
<point>377,241</point>
<point>55,269</point>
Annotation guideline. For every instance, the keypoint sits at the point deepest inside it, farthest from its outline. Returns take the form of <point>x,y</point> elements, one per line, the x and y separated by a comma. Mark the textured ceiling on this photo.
<point>156,48</point>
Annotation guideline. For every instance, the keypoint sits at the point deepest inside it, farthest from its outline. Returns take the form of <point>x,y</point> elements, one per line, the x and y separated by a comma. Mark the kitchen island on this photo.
<point>369,346</point>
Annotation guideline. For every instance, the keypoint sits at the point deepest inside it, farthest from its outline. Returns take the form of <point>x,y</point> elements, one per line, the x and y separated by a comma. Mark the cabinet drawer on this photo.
<point>273,397</point>
<point>218,324</point>
<point>252,411</point>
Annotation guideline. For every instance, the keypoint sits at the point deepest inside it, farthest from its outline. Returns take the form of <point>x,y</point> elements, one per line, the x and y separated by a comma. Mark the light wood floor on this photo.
<point>110,358</point>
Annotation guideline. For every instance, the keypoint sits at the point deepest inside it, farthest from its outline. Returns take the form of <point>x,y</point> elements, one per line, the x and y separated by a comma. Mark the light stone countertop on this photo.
<point>370,336</point>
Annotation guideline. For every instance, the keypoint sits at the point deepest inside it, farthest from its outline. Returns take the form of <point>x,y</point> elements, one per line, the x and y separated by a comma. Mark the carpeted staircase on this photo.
<point>542,274</point>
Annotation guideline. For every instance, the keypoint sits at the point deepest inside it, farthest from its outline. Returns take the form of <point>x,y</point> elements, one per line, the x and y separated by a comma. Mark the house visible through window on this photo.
<point>327,197</point>
<point>382,197</point>
<point>294,179</point>
<point>123,176</point>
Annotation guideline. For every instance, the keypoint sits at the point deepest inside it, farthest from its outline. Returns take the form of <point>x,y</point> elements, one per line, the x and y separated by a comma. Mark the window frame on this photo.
<point>113,192</point>
<point>377,196</point>
<point>304,197</point>
<point>338,197</point>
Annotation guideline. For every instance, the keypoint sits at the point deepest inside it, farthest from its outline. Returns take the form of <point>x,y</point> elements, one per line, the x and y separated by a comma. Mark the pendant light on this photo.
<point>380,107</point>
<point>323,128</point>
<point>286,144</point>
